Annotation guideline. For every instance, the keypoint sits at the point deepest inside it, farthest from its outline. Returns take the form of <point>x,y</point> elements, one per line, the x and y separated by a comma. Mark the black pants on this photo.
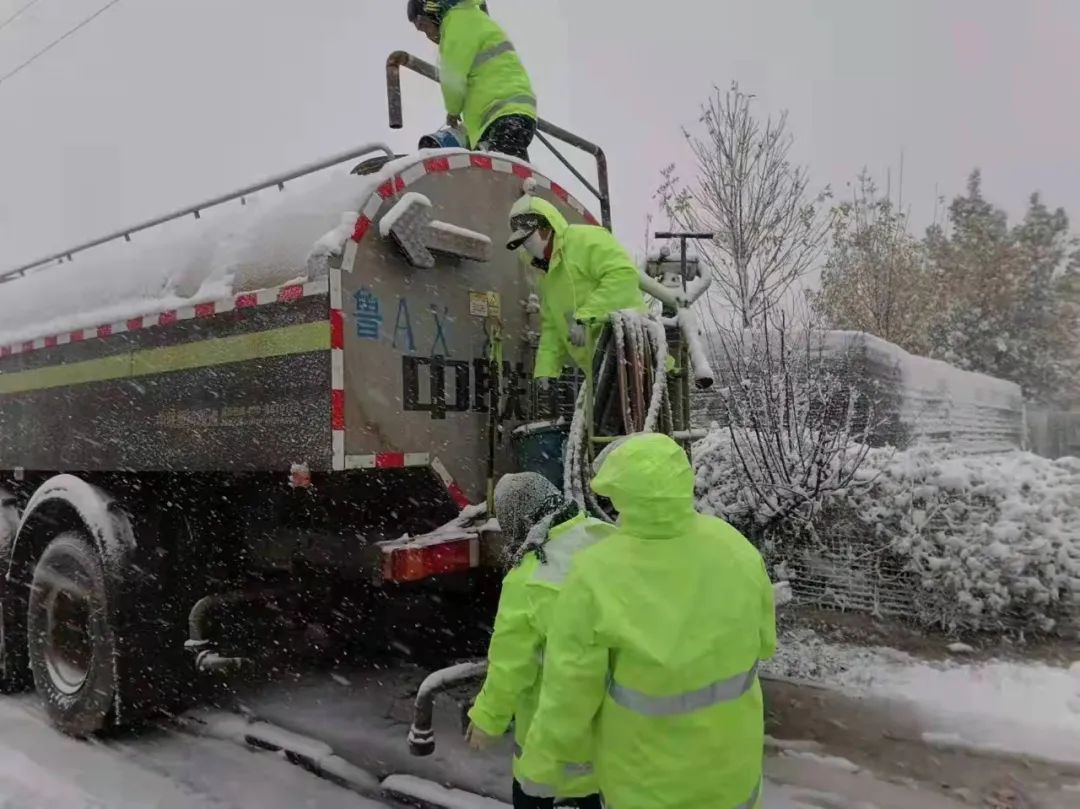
<point>510,135</point>
<point>523,801</point>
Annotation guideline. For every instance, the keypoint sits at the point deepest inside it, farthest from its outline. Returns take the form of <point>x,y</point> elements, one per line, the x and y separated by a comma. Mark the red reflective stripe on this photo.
<point>362,225</point>
<point>386,189</point>
<point>167,318</point>
<point>5,351</point>
<point>50,342</point>
<point>480,161</point>
<point>560,192</point>
<point>457,495</point>
<point>28,345</point>
<point>524,172</point>
<point>435,165</point>
<point>246,300</point>
<point>104,331</point>
<point>293,292</point>
<point>389,460</point>
<point>135,323</point>
<point>399,183</point>
<point>337,410</point>
<point>337,329</point>
<point>77,336</point>
<point>204,309</point>
<point>590,218</point>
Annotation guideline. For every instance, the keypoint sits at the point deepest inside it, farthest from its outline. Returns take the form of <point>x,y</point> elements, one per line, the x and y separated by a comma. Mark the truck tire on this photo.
<point>70,642</point>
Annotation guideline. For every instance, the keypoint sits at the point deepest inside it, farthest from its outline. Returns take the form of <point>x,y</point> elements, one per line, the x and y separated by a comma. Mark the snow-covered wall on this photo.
<point>916,400</point>
<point>939,403</point>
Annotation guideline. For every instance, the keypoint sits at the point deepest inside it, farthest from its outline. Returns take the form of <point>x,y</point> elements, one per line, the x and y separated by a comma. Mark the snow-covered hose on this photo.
<point>647,339</point>
<point>660,354</point>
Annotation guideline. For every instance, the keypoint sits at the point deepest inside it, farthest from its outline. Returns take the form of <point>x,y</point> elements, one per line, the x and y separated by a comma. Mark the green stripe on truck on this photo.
<point>299,339</point>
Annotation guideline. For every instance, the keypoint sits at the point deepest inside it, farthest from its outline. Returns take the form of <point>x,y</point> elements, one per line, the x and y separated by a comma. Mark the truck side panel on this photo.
<point>241,390</point>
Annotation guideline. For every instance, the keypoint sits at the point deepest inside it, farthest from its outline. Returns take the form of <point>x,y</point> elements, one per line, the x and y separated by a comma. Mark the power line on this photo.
<point>16,15</point>
<point>59,39</point>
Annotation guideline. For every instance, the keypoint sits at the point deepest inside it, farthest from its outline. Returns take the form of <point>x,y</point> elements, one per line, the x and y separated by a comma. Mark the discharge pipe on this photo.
<point>198,642</point>
<point>421,734</point>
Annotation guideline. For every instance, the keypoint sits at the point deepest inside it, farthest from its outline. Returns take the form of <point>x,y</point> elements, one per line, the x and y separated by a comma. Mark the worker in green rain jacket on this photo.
<point>484,84</point>
<point>655,643</point>
<point>587,276</point>
<point>544,531</point>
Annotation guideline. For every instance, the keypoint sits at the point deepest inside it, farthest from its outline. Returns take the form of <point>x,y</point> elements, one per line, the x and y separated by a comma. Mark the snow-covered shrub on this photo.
<point>977,542</point>
<point>993,539</point>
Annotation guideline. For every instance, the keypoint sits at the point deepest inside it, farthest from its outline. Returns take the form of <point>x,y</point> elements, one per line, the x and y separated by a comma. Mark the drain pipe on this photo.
<point>206,657</point>
<point>421,734</point>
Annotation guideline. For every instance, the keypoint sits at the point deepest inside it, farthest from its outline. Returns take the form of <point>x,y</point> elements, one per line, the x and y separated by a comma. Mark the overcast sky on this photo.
<point>159,103</point>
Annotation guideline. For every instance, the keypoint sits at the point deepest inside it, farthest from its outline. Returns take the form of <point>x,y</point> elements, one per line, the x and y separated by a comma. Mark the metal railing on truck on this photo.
<point>400,59</point>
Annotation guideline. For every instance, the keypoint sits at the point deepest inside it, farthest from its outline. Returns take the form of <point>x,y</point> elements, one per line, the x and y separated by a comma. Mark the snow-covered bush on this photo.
<point>993,539</point>
<point>978,542</point>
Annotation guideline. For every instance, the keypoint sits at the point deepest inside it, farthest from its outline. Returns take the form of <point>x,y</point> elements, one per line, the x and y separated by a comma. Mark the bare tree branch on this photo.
<point>769,231</point>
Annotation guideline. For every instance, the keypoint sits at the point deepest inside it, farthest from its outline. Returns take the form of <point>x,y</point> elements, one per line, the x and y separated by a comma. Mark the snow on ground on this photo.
<point>1028,709</point>
<point>365,717</point>
<point>42,769</point>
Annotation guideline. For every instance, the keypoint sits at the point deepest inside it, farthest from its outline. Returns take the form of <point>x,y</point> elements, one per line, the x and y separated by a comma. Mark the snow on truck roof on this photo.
<point>230,249</point>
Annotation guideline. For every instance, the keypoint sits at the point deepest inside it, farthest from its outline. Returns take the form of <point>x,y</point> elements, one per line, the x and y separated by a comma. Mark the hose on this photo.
<point>630,364</point>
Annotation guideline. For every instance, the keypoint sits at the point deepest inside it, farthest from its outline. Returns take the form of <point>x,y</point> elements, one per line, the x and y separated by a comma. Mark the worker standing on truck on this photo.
<point>587,276</point>
<point>484,83</point>
<point>655,643</point>
<point>543,531</point>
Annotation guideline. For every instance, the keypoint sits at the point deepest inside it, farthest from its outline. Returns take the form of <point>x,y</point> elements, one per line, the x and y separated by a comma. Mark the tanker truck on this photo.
<point>292,398</point>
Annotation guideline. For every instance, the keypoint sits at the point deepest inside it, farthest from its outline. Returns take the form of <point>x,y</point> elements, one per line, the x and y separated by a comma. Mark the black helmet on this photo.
<point>415,8</point>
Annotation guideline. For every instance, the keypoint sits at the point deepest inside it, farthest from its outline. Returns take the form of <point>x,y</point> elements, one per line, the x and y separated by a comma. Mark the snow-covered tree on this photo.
<point>1004,293</point>
<point>769,228</point>
<point>796,428</point>
<point>875,277</point>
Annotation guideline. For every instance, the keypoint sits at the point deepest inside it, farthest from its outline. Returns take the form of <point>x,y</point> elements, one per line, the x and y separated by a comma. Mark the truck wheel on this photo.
<point>70,642</point>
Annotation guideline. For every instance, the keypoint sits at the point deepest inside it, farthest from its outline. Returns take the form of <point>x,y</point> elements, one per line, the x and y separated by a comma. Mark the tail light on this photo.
<point>405,563</point>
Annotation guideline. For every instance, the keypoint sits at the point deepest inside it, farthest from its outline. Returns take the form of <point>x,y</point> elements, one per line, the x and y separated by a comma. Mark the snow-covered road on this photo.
<point>157,769</point>
<point>833,750</point>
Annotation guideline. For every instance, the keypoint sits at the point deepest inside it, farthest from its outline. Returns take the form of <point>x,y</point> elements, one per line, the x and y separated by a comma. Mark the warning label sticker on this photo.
<point>484,304</point>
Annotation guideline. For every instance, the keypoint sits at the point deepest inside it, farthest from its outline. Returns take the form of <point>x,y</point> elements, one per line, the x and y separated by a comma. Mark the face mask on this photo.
<point>535,246</point>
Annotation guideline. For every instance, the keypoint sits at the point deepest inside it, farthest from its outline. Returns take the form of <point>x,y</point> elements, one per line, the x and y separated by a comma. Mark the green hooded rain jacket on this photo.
<point>655,643</point>
<point>481,76</point>
<point>516,652</point>
<point>590,275</point>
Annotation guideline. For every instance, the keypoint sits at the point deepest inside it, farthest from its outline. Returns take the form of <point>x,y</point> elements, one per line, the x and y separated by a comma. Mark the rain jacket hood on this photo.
<point>527,505</point>
<point>649,480</point>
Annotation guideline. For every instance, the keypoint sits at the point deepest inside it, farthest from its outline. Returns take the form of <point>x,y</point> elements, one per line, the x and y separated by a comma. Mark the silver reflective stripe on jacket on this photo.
<point>575,770</point>
<point>493,111</point>
<point>560,550</point>
<point>535,790</point>
<point>721,691</point>
<point>488,54</point>
<point>747,804</point>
